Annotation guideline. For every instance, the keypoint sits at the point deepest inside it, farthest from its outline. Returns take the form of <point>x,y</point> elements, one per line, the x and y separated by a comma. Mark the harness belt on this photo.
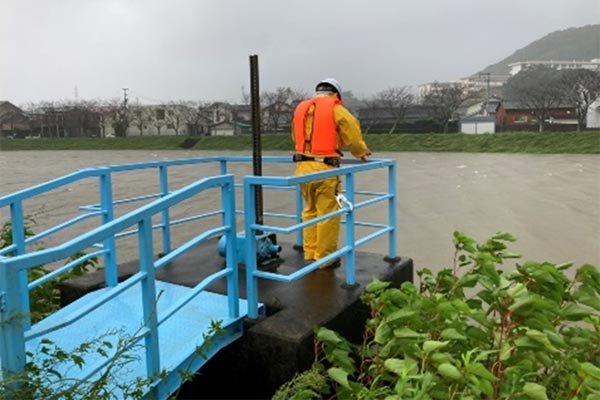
<point>331,161</point>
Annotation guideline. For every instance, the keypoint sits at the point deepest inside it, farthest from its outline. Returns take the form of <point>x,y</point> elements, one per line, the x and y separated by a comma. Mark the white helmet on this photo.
<point>333,83</point>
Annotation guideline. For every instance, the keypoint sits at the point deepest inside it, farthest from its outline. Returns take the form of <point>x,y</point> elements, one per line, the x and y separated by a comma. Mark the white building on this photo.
<point>517,67</point>
<point>475,83</point>
<point>593,115</point>
<point>478,124</point>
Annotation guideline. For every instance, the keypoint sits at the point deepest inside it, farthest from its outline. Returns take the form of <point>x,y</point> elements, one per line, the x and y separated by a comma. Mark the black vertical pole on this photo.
<point>256,147</point>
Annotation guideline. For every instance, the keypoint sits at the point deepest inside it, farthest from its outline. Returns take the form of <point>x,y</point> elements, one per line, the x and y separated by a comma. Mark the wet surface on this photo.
<point>551,203</point>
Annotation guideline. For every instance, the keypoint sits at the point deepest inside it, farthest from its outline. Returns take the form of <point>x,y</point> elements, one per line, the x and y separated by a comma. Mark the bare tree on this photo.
<point>178,114</point>
<point>158,117</point>
<point>538,88</point>
<point>581,87</point>
<point>369,110</point>
<point>196,114</point>
<point>107,111</point>
<point>351,102</point>
<point>278,107</point>
<point>395,101</point>
<point>139,116</point>
<point>445,100</point>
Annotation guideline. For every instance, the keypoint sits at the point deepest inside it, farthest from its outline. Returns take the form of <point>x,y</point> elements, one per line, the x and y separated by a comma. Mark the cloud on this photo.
<point>189,49</point>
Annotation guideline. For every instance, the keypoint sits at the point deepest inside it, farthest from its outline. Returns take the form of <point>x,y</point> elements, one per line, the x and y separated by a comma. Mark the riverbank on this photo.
<point>517,142</point>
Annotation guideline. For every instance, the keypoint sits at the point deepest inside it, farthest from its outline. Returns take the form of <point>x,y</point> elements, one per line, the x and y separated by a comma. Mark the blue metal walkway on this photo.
<point>170,328</point>
<point>178,336</point>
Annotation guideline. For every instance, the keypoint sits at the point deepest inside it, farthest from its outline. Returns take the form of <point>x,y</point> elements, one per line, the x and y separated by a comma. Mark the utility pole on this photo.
<point>487,90</point>
<point>125,98</point>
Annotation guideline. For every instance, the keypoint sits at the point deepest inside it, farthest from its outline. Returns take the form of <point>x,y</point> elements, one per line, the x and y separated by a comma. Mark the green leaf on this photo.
<point>440,358</point>
<point>572,312</point>
<point>449,371</point>
<point>78,360</point>
<point>400,315</point>
<point>479,370</point>
<point>476,333</point>
<point>376,285</point>
<point>468,280</point>
<point>342,359</point>
<point>591,370</point>
<point>328,336</point>
<point>535,391</point>
<point>503,236</point>
<point>451,333</point>
<point>407,333</point>
<point>339,375</point>
<point>383,333</point>
<point>433,345</point>
<point>400,367</point>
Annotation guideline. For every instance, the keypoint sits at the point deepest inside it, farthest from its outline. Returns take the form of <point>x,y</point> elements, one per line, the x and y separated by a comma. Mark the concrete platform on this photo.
<point>275,347</point>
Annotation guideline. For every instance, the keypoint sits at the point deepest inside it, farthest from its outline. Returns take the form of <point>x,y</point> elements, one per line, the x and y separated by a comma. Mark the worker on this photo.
<point>320,128</point>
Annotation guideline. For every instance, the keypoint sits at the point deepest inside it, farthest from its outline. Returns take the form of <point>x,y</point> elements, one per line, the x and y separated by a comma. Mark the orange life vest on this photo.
<point>323,139</point>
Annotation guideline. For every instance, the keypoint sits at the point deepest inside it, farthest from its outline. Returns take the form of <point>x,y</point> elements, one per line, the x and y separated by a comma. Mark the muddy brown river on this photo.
<point>551,203</point>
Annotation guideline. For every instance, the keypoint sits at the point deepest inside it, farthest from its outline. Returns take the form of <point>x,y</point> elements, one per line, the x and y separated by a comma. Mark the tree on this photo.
<point>538,88</point>
<point>196,114</point>
<point>580,87</point>
<point>158,117</point>
<point>445,100</point>
<point>178,113</point>
<point>395,100</point>
<point>278,106</point>
<point>107,111</point>
<point>351,102</point>
<point>139,116</point>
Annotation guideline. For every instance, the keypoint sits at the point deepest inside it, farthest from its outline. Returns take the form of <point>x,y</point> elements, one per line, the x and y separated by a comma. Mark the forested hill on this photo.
<point>570,44</point>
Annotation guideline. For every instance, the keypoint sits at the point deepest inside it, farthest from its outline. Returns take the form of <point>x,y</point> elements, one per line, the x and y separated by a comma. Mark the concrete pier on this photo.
<point>280,344</point>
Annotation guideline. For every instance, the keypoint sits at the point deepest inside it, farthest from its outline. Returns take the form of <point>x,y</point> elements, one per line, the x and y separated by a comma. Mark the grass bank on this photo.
<point>520,142</point>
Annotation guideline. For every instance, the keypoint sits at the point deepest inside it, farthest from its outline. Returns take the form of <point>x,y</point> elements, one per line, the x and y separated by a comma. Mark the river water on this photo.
<point>551,203</point>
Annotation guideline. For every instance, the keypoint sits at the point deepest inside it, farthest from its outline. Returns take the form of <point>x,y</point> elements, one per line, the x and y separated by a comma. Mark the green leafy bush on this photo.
<point>473,331</point>
<point>45,299</point>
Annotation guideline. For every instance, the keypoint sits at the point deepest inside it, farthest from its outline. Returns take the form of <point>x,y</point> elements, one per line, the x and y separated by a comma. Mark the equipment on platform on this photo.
<point>267,249</point>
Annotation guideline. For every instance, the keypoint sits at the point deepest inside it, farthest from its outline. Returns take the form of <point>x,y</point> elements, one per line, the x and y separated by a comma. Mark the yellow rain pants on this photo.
<point>320,239</point>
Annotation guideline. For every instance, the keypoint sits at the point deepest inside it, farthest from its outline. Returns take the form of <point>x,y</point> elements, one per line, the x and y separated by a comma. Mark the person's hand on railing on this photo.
<point>364,158</point>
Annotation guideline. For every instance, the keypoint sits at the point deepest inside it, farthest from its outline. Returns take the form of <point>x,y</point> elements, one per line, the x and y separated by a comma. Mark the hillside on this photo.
<point>570,44</point>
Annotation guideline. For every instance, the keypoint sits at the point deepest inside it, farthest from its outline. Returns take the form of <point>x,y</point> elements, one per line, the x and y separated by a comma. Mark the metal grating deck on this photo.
<point>179,336</point>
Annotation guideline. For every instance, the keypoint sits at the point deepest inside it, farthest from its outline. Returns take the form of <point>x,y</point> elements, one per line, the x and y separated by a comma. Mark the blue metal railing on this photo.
<point>112,229</point>
<point>348,250</point>
<point>13,332</point>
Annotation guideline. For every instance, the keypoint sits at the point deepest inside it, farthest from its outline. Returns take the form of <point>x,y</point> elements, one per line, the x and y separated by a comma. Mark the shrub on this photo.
<point>472,331</point>
<point>45,299</point>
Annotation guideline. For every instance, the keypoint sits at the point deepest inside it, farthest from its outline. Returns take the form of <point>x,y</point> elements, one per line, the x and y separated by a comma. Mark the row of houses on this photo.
<point>222,119</point>
<point>103,121</point>
<point>498,115</point>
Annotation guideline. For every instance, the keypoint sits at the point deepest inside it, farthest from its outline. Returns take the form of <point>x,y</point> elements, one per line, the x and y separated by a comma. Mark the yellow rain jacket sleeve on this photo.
<point>349,133</point>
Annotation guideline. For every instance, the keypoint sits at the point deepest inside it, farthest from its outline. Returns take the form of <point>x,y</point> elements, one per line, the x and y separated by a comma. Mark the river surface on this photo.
<point>550,203</point>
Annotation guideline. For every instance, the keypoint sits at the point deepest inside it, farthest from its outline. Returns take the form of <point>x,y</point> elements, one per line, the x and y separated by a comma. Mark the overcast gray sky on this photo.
<point>192,49</point>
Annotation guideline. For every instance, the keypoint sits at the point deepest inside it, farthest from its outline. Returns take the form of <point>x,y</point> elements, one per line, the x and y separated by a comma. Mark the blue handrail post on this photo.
<point>12,322</point>
<point>223,167</point>
<point>149,296</point>
<point>166,221</point>
<point>351,255</point>
<point>18,237</point>
<point>110,258</point>
<point>299,206</point>
<point>249,220</point>
<point>392,210</point>
<point>233,291</point>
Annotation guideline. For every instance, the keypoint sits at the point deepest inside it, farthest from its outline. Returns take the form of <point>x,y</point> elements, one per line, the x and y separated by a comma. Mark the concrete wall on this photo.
<point>593,115</point>
<point>477,127</point>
